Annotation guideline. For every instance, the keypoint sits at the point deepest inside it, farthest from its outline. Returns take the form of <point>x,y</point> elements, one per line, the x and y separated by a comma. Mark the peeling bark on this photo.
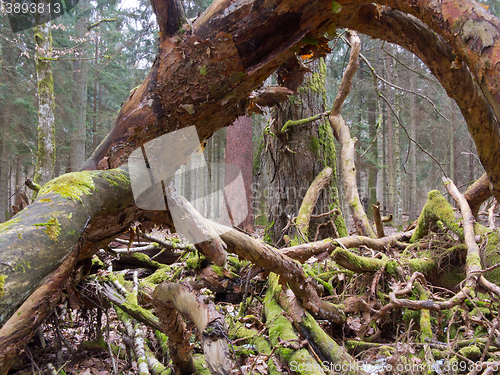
<point>172,300</point>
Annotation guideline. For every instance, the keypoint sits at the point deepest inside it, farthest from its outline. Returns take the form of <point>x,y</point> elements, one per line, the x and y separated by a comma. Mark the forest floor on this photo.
<point>88,333</point>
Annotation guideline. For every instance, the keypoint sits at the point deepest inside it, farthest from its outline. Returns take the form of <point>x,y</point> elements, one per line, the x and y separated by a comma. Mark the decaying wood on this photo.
<point>478,193</point>
<point>326,348</point>
<point>472,268</point>
<point>268,96</point>
<point>341,133</point>
<point>173,300</point>
<point>305,251</point>
<point>283,337</point>
<point>192,225</point>
<point>19,329</point>
<point>310,199</point>
<point>118,300</point>
<point>52,235</point>
<point>272,260</point>
<point>234,51</point>
<point>378,220</point>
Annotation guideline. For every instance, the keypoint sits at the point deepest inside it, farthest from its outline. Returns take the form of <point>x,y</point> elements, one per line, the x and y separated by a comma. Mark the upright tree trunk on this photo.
<point>96,79</point>
<point>471,161</point>
<point>6,118</point>
<point>46,154</point>
<point>4,180</point>
<point>239,152</point>
<point>390,136</point>
<point>78,136</point>
<point>372,155</point>
<point>413,150</point>
<point>300,153</point>
<point>398,183</point>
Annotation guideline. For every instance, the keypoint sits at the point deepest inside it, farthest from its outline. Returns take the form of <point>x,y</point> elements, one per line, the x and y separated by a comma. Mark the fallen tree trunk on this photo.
<point>204,76</point>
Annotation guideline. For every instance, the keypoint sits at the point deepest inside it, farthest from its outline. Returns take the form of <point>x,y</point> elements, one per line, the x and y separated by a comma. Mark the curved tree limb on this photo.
<point>341,133</point>
<point>310,199</point>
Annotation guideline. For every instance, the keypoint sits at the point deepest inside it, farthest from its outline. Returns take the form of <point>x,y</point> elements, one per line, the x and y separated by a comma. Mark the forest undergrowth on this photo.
<point>421,301</point>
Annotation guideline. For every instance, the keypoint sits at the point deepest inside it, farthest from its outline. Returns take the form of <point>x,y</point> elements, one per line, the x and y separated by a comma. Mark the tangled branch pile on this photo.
<point>417,301</point>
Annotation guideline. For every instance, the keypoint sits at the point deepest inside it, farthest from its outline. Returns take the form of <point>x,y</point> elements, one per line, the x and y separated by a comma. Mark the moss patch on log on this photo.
<point>2,281</point>
<point>437,209</point>
<point>52,228</point>
<point>70,185</point>
<point>5,226</point>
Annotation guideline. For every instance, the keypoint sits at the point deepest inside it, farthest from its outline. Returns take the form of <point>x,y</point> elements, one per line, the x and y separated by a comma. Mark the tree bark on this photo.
<point>301,152</point>
<point>79,132</point>
<point>239,152</point>
<point>46,153</point>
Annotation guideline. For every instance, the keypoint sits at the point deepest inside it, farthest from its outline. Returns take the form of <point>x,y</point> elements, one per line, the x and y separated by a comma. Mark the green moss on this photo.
<point>473,260</point>
<point>425,317</point>
<point>472,352</point>
<point>267,232</point>
<point>421,265</point>
<point>314,145</point>
<point>22,266</point>
<point>203,70</point>
<point>144,258</point>
<point>53,228</point>
<point>436,209</point>
<point>6,225</point>
<point>43,200</point>
<point>160,275</point>
<point>97,262</point>
<point>241,332</point>
<point>70,185</point>
<point>201,365</point>
<point>2,283</point>
<point>357,263</point>
<point>336,7</point>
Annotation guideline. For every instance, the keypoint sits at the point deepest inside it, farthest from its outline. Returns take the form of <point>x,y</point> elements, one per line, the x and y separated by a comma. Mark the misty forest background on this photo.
<point>96,67</point>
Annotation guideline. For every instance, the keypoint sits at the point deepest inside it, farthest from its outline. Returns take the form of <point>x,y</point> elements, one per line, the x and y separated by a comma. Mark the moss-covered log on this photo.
<point>270,259</point>
<point>331,354</point>
<point>283,335</point>
<point>75,211</point>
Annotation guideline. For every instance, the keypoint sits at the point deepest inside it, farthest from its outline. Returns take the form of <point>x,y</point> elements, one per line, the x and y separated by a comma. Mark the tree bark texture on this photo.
<point>239,152</point>
<point>300,153</point>
<point>46,153</point>
<point>79,131</point>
